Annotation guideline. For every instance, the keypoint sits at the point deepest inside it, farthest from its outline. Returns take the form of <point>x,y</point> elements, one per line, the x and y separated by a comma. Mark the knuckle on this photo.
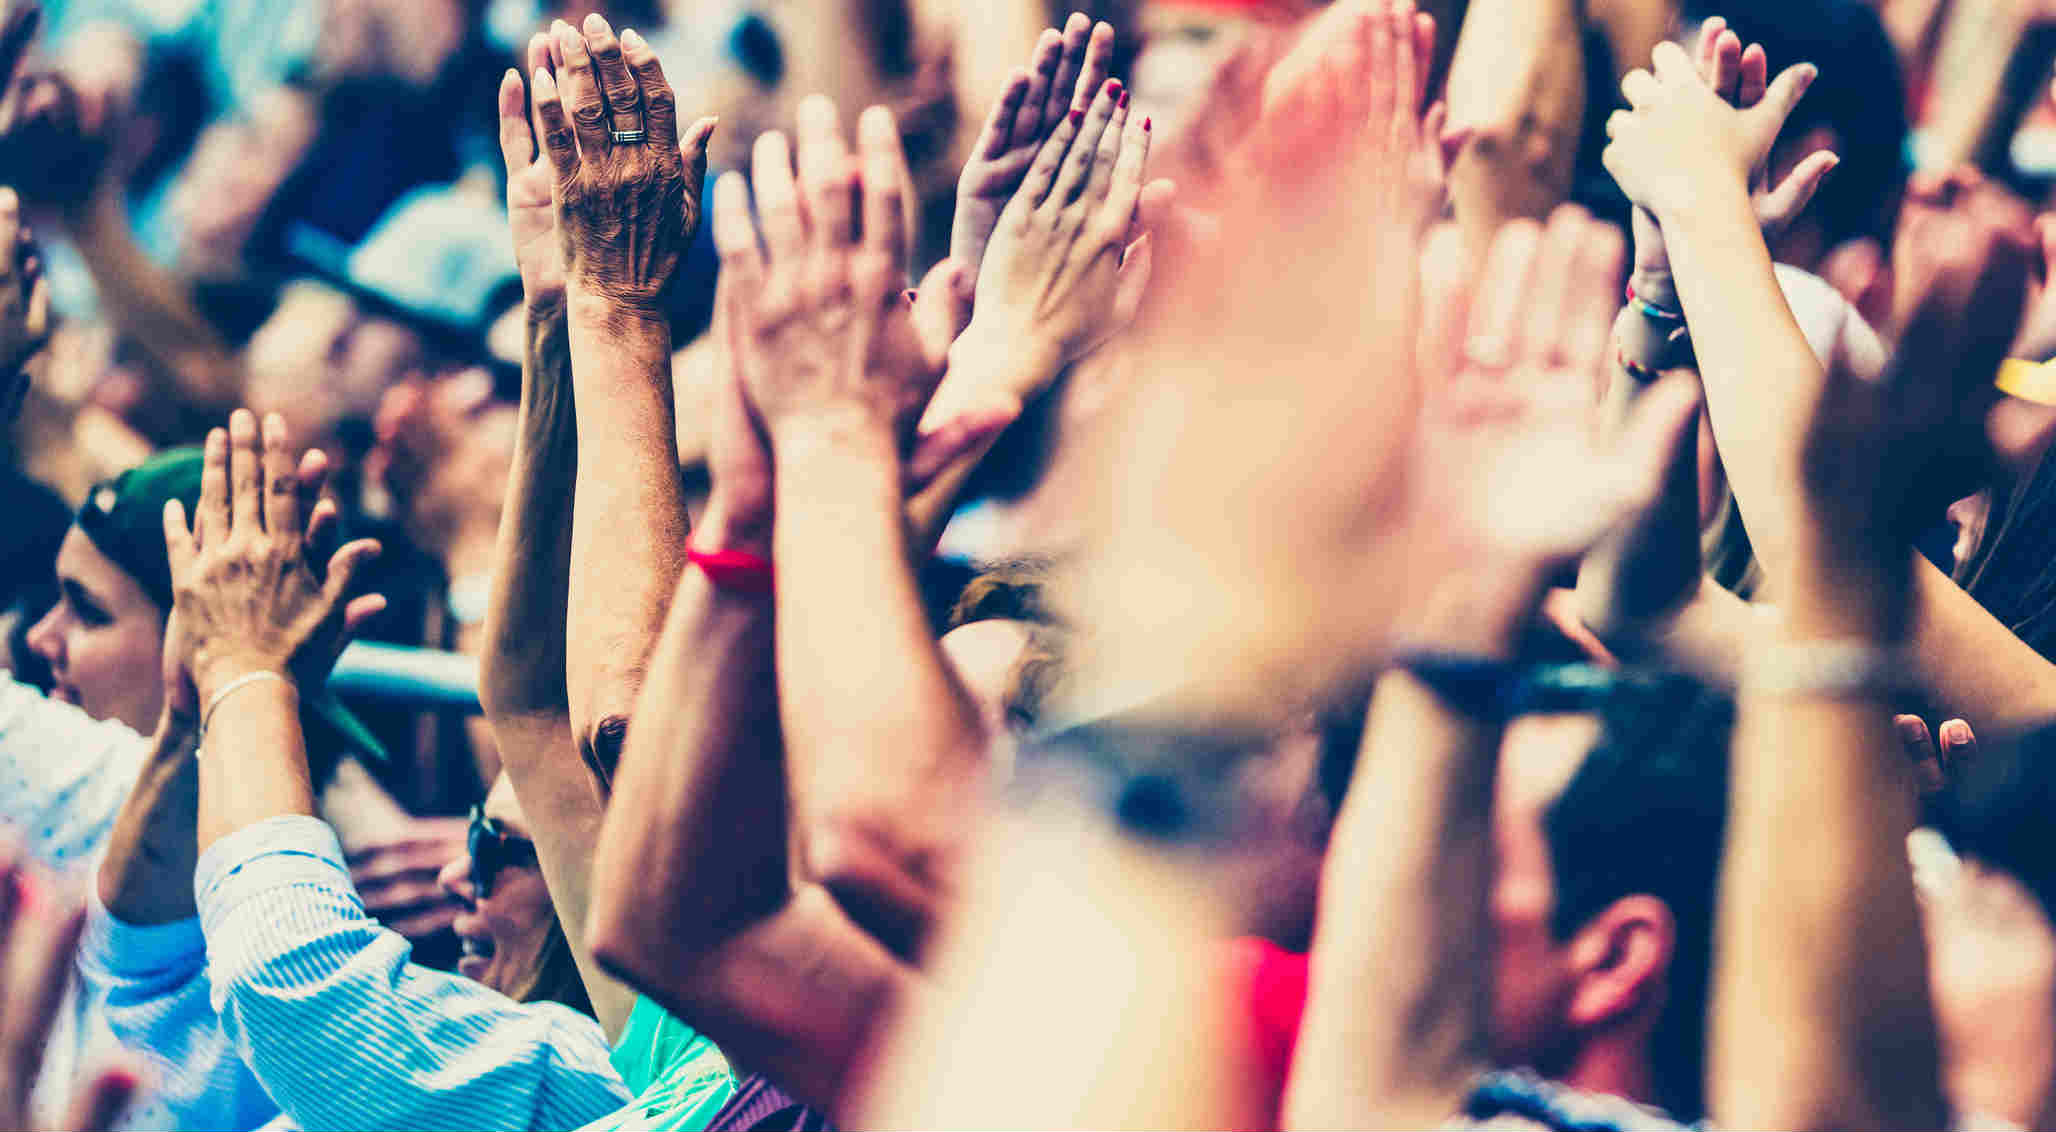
<point>660,99</point>
<point>589,113</point>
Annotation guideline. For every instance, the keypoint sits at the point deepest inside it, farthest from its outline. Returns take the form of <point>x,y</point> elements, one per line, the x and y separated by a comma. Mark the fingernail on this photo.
<point>1912,730</point>
<point>631,38</point>
<point>1113,86</point>
<point>1077,115</point>
<point>1123,104</point>
<point>1956,733</point>
<point>1145,125</point>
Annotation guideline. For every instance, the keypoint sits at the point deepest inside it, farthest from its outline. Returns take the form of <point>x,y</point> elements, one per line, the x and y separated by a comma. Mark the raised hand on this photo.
<point>1680,134</point>
<point>1739,74</point>
<point>810,308</point>
<point>1506,479</point>
<point>39,939</point>
<point>250,598</point>
<point>531,212</point>
<point>627,186</point>
<point>1056,280</point>
<point>1065,71</point>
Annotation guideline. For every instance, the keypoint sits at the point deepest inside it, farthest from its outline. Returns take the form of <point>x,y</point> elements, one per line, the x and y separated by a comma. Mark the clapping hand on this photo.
<point>251,598</point>
<point>626,184</point>
<point>1739,74</point>
<point>1066,69</point>
<point>1682,139</point>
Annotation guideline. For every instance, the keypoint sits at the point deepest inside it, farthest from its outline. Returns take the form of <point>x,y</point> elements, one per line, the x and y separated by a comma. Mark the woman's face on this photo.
<point>104,639</point>
<point>502,933</point>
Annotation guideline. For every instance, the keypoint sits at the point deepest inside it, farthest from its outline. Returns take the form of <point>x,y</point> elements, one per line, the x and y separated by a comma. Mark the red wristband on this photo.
<point>738,571</point>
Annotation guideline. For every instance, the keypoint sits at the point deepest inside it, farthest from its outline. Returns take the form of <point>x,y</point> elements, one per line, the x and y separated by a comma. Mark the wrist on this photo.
<point>988,357</point>
<point>840,433</point>
<point>591,309</point>
<point>724,526</point>
<point>211,676</point>
<point>1476,613</point>
<point>1836,594</point>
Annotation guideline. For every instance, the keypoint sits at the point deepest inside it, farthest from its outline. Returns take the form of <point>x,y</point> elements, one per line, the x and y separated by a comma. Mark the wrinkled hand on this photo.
<point>1681,140</point>
<point>1740,76</point>
<point>626,212</point>
<point>1507,478</point>
<point>249,599</point>
<point>531,211</point>
<point>39,941</point>
<point>1057,282</point>
<point>1065,70</point>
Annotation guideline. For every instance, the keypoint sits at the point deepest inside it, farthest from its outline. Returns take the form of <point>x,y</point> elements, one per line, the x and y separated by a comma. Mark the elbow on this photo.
<point>889,887</point>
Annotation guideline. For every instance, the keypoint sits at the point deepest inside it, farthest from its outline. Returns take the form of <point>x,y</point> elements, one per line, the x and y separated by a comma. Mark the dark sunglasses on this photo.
<point>493,849</point>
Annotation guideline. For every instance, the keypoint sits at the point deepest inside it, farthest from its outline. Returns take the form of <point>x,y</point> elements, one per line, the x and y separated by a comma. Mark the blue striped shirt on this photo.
<point>344,1032</point>
<point>63,777</point>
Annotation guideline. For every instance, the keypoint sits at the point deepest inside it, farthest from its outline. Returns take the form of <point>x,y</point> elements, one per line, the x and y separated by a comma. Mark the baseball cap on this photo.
<point>125,519</point>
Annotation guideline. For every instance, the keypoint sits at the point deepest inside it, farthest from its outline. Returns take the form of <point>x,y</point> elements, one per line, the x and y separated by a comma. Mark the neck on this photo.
<point>1616,1065</point>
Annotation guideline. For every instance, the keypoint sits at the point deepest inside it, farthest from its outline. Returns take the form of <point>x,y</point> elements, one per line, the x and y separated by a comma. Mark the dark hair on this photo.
<point>2012,573</point>
<point>1013,591</point>
<point>1645,815</point>
<point>1998,812</point>
<point>1860,96</point>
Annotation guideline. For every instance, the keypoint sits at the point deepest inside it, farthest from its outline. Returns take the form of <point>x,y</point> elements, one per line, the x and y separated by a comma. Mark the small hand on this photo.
<point>1063,72</point>
<point>1740,76</point>
<point>249,600</point>
<point>626,211</point>
<point>1680,135</point>
<point>531,213</point>
<point>1057,282</point>
<point>39,941</point>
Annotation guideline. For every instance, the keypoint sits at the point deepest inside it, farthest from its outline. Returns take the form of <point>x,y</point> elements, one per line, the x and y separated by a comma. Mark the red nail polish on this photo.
<point>1113,86</point>
<point>1077,115</point>
<point>1145,125</point>
<point>1124,100</point>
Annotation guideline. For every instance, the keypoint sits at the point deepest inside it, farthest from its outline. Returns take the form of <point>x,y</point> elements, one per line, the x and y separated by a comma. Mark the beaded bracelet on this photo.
<point>1642,374</point>
<point>1650,310</point>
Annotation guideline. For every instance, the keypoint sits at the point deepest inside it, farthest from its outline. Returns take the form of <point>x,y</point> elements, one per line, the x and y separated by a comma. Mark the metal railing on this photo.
<point>408,677</point>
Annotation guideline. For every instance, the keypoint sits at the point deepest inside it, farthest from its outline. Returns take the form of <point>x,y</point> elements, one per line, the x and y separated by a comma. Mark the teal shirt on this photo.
<point>679,1078</point>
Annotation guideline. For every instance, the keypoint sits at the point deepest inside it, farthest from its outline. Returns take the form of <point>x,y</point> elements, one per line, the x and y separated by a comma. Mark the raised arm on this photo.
<point>1818,935</point>
<point>1518,80</point>
<point>694,899</point>
<point>1398,1002</point>
<point>626,213</point>
<point>1685,154</point>
<point>522,680</point>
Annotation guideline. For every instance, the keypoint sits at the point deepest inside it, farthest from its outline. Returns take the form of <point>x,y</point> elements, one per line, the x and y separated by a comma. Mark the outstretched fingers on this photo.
<point>826,179</point>
<point>617,84</point>
<point>779,209</point>
<point>579,85</point>
<point>282,516</point>
<point>1126,179</point>
<point>1077,168</point>
<point>560,140</point>
<point>517,140</point>
<point>245,475</point>
<point>885,190</point>
<point>659,103</point>
<point>1028,122</point>
<point>1063,88</point>
<point>995,138</point>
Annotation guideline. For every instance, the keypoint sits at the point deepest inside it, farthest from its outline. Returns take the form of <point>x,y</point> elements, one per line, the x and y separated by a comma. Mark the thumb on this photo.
<point>1782,98</point>
<point>360,611</point>
<point>1133,283</point>
<point>1789,199</point>
<point>344,566</point>
<point>936,450</point>
<point>942,308</point>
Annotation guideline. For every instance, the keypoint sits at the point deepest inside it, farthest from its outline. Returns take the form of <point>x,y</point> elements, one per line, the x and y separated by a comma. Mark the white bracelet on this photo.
<point>227,690</point>
<point>1832,670</point>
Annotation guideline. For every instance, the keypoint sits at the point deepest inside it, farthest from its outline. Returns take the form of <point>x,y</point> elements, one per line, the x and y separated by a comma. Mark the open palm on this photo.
<point>537,249</point>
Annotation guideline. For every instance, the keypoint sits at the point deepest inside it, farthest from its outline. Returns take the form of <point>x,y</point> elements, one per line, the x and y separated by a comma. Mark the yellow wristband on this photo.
<point>2029,381</point>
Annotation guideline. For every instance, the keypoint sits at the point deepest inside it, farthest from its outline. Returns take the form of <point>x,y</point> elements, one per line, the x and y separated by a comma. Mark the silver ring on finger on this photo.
<point>628,137</point>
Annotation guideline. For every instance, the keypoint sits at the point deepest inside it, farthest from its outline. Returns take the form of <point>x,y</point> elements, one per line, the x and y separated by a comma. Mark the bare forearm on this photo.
<point>855,645</point>
<point>253,762</point>
<point>1395,1022</point>
<point>1641,578</point>
<point>698,814</point>
<point>147,874</point>
<point>1754,361</point>
<point>522,667</point>
<point>629,524</point>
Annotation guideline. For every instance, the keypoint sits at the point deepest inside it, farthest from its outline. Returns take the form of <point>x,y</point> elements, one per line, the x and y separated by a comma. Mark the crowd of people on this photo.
<point>1387,563</point>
